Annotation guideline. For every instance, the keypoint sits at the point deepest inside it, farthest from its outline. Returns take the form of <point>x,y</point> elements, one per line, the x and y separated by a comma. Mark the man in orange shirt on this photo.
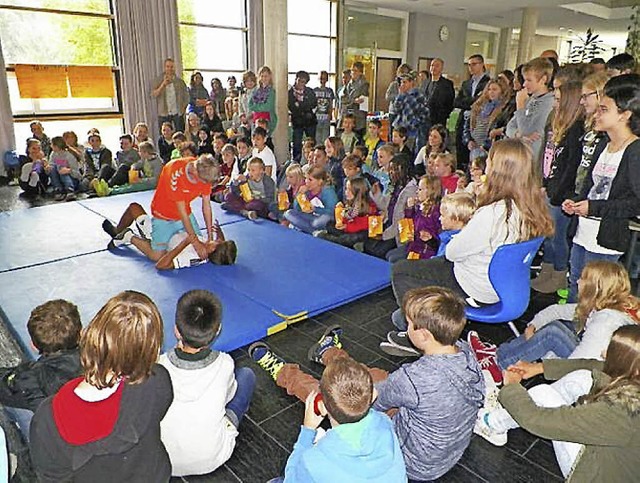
<point>181,181</point>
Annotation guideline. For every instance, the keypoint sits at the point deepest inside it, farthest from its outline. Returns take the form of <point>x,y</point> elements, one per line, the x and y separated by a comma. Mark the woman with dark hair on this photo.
<point>211,120</point>
<point>392,207</point>
<point>610,195</point>
<point>217,97</point>
<point>437,142</point>
<point>516,80</point>
<point>198,95</point>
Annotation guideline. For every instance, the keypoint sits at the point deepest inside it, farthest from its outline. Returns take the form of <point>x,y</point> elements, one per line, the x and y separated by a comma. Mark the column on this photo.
<point>276,57</point>
<point>503,49</point>
<point>527,33</point>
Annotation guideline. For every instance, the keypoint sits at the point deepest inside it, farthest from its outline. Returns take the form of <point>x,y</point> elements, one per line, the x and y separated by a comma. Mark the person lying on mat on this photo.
<point>180,252</point>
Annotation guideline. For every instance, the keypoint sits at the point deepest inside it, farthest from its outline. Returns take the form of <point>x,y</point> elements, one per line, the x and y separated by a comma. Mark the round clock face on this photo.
<point>444,33</point>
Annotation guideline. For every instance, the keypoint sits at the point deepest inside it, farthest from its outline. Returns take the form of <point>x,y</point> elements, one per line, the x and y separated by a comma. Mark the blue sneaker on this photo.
<point>262,354</point>
<point>330,338</point>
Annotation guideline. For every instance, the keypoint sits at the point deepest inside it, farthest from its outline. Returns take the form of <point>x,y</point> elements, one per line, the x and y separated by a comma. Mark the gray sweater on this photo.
<point>438,398</point>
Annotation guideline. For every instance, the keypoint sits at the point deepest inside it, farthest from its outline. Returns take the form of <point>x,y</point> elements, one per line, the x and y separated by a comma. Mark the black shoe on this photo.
<point>330,338</point>
<point>398,344</point>
<point>60,196</point>
<point>71,196</point>
<point>109,229</point>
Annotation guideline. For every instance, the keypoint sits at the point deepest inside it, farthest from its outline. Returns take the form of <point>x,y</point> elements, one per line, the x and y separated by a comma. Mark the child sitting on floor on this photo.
<point>54,328</point>
<point>229,160</point>
<point>352,220</point>
<point>334,148</point>
<point>348,137</point>
<point>372,142</point>
<point>456,209</point>
<point>253,195</point>
<point>590,412</point>
<point>477,168</point>
<point>244,147</point>
<point>352,166</point>
<point>295,180</point>
<point>315,204</point>
<point>445,169</point>
<point>437,396</point>
<point>264,152</point>
<point>399,140</point>
<point>105,426</point>
<point>361,446</point>
<point>386,153</point>
<point>150,164</point>
<point>575,331</point>
<point>210,397</point>
<point>424,211</point>
<point>204,141</point>
<point>97,160</point>
<point>178,139</point>
<point>64,170</point>
<point>125,159</point>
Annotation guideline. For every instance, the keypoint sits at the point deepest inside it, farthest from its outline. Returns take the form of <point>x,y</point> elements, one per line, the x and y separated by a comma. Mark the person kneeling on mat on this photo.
<point>180,251</point>
<point>180,182</point>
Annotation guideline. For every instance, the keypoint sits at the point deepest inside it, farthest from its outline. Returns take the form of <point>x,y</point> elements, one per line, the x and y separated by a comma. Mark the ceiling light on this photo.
<point>475,44</point>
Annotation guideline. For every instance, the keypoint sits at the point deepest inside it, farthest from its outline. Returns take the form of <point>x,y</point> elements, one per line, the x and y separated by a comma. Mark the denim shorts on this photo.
<point>163,230</point>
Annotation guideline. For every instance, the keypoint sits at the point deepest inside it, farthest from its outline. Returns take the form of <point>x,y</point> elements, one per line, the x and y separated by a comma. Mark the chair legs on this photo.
<point>513,328</point>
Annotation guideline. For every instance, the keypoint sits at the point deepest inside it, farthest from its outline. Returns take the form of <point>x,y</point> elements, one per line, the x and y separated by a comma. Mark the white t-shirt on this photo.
<point>187,257</point>
<point>604,171</point>
<point>269,159</point>
<point>171,99</point>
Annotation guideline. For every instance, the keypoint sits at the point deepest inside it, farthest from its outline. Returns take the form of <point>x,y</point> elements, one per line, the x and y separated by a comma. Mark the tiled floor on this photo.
<point>271,427</point>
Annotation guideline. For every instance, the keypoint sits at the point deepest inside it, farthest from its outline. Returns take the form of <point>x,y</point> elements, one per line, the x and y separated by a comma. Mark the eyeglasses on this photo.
<point>584,97</point>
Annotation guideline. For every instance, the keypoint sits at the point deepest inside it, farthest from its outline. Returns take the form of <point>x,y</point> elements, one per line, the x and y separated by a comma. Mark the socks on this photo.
<point>143,222</point>
<point>124,239</point>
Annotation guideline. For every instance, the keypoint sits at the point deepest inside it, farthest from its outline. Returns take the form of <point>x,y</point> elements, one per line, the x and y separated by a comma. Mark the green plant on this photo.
<point>590,48</point>
<point>633,39</point>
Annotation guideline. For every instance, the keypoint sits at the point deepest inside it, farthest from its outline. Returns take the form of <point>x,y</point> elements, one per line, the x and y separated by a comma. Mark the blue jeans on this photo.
<point>556,248</point>
<point>22,417</point>
<point>239,405</point>
<point>307,222</point>
<point>558,337</point>
<point>62,182</point>
<point>580,256</point>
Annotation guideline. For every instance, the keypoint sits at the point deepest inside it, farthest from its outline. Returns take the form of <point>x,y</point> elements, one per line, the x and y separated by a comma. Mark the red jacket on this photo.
<point>360,223</point>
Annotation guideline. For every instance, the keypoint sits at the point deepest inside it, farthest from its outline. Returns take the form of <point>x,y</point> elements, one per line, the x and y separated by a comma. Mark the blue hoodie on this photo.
<point>366,451</point>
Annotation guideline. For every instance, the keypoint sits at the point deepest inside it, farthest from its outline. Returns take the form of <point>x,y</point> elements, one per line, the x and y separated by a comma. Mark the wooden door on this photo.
<point>385,74</point>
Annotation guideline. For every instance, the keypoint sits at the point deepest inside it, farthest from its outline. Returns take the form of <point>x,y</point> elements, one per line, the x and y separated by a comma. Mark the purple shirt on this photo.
<point>422,222</point>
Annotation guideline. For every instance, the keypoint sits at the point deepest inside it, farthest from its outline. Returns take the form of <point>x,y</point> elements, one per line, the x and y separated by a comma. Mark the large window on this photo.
<point>61,33</point>
<point>313,27</point>
<point>213,39</point>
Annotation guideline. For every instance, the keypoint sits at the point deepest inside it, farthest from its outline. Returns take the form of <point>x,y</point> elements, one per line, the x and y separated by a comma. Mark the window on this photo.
<point>313,29</point>
<point>213,40</point>
<point>61,33</point>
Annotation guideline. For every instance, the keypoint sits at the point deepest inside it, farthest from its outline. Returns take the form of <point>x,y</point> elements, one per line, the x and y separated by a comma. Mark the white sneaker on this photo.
<point>143,224</point>
<point>492,390</point>
<point>483,429</point>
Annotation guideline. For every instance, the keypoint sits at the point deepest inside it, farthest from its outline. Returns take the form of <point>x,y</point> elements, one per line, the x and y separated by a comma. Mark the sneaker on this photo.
<point>330,338</point>
<point>483,429</point>
<point>60,196</point>
<point>71,196</point>
<point>252,215</point>
<point>319,233</point>
<point>485,355</point>
<point>398,344</point>
<point>563,293</point>
<point>492,390</point>
<point>262,354</point>
<point>398,320</point>
<point>121,238</point>
<point>109,229</point>
<point>144,224</point>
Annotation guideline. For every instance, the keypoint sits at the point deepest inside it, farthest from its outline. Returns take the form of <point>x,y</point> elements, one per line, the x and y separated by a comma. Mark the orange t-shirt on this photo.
<point>174,186</point>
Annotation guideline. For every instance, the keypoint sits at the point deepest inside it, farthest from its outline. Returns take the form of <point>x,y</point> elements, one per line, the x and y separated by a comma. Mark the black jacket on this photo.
<point>27,385</point>
<point>302,114</point>
<point>133,452</point>
<point>440,100</point>
<point>561,182</point>
<point>90,170</point>
<point>464,99</point>
<point>623,203</point>
<point>213,125</point>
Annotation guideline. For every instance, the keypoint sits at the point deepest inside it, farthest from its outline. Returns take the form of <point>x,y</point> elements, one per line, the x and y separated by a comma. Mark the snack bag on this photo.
<point>134,175</point>
<point>375,225</point>
<point>405,230</point>
<point>283,200</point>
<point>339,214</point>
<point>413,256</point>
<point>305,204</point>
<point>245,192</point>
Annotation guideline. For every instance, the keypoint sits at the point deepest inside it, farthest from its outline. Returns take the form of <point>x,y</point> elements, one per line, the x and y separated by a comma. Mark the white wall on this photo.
<point>423,41</point>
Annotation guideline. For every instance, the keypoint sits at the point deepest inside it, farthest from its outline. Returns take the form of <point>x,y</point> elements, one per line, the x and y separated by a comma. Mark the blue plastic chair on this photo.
<point>509,273</point>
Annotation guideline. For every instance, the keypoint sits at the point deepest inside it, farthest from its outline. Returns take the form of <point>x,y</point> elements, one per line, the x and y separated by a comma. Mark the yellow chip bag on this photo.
<point>375,225</point>
<point>283,200</point>
<point>339,214</point>
<point>245,192</point>
<point>305,204</point>
<point>134,176</point>
<point>405,230</point>
<point>413,256</point>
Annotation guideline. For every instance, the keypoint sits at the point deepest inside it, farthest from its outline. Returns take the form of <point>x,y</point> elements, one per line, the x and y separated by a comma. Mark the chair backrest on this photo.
<point>509,273</point>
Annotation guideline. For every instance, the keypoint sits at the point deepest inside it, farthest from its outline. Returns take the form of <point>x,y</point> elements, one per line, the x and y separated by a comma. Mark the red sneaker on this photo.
<point>486,356</point>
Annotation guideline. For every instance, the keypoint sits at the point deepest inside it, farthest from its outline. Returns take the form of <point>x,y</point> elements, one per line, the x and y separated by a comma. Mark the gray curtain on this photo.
<point>7,135</point>
<point>147,34</point>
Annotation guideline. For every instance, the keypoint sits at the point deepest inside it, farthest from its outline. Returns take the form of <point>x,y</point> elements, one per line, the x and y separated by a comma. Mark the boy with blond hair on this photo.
<point>456,209</point>
<point>533,105</point>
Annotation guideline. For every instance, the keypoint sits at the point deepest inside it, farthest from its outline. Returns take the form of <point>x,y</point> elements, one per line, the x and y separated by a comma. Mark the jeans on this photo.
<point>235,203</point>
<point>176,119</point>
<point>307,222</point>
<point>556,248</point>
<point>379,248</point>
<point>323,130</point>
<point>22,417</point>
<point>239,405</point>
<point>298,135</point>
<point>580,256</point>
<point>397,254</point>
<point>558,337</point>
<point>62,182</point>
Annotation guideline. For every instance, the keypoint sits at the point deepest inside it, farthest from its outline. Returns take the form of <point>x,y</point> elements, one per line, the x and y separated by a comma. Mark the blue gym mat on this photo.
<point>112,207</point>
<point>90,280</point>
<point>41,235</point>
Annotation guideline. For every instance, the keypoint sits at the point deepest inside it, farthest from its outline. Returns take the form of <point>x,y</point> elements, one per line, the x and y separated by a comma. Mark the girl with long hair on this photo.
<point>198,95</point>
<point>315,204</point>
<point>511,209</point>
<point>560,163</point>
<point>591,413</point>
<point>436,143</point>
<point>262,103</point>
<point>484,113</point>
<point>217,96</point>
